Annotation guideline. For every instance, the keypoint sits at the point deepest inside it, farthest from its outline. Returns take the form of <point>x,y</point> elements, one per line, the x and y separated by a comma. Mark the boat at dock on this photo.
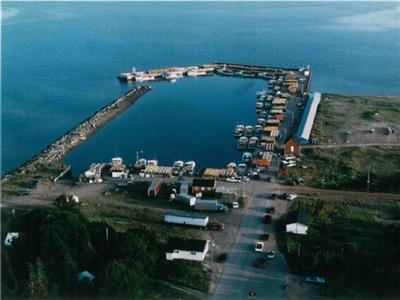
<point>177,167</point>
<point>140,163</point>
<point>242,143</point>
<point>239,131</point>
<point>172,75</point>
<point>141,77</point>
<point>195,72</point>
<point>248,130</point>
<point>189,167</point>
<point>253,142</point>
<point>224,71</point>
<point>246,157</point>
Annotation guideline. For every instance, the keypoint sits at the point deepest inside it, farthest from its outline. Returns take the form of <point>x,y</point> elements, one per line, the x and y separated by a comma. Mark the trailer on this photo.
<point>154,187</point>
<point>182,219</point>
<point>186,199</point>
<point>211,205</point>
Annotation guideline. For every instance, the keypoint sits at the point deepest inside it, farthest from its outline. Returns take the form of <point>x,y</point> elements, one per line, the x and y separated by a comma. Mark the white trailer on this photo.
<point>198,220</point>
<point>187,199</point>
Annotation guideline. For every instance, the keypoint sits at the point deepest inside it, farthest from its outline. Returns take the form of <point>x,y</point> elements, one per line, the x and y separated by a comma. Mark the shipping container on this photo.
<point>199,220</point>
<point>187,199</point>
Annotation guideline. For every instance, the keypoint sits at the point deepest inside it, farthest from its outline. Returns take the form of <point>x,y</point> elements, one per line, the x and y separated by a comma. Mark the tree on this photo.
<point>37,282</point>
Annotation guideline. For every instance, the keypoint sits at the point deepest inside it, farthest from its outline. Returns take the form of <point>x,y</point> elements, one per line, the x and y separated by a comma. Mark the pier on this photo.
<point>56,151</point>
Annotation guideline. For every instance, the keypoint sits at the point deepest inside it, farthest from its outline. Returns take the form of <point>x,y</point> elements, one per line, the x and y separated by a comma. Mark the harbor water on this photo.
<point>60,60</point>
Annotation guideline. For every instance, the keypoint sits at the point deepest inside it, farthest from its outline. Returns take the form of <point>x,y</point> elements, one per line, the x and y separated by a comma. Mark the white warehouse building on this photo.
<point>187,249</point>
<point>307,120</point>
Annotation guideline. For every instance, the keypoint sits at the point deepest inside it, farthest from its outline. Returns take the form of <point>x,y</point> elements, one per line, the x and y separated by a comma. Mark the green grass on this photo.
<point>355,253</point>
<point>347,169</point>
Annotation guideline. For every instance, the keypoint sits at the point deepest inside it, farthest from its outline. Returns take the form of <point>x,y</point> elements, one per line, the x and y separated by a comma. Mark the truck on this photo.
<point>186,199</point>
<point>214,225</point>
<point>183,219</point>
<point>211,205</point>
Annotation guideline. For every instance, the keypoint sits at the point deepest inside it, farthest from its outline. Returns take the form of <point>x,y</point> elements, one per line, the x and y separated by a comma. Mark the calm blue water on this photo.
<point>59,62</point>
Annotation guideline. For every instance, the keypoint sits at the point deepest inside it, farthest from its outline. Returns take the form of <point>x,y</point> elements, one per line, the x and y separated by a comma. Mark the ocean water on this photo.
<point>60,61</point>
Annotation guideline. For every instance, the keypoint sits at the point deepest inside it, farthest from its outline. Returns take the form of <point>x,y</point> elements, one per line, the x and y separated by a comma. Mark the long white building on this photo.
<point>307,120</point>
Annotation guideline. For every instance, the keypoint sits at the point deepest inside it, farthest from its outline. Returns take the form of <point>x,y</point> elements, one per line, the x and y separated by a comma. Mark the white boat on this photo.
<point>152,162</point>
<point>239,131</point>
<point>141,76</point>
<point>172,75</point>
<point>248,130</point>
<point>178,164</point>
<point>190,166</point>
<point>196,72</point>
<point>253,142</point>
<point>246,157</point>
<point>140,163</point>
<point>242,143</point>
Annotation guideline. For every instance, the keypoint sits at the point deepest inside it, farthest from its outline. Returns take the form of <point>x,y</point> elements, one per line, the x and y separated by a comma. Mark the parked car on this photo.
<point>261,263</point>
<point>270,210</point>
<point>284,196</point>
<point>300,181</point>
<point>233,179</point>
<point>291,197</point>
<point>223,257</point>
<point>214,225</point>
<point>259,247</point>
<point>315,279</point>
<point>271,254</point>
<point>235,204</point>
<point>267,219</point>
<point>268,179</point>
<point>273,196</point>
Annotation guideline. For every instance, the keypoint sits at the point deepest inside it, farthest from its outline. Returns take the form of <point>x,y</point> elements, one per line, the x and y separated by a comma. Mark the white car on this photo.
<point>290,158</point>
<point>259,247</point>
<point>291,165</point>
<point>235,204</point>
<point>232,179</point>
<point>271,254</point>
<point>291,197</point>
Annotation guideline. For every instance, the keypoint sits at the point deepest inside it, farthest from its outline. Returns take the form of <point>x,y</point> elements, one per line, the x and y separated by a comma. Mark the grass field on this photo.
<point>351,247</point>
<point>351,118</point>
<point>347,169</point>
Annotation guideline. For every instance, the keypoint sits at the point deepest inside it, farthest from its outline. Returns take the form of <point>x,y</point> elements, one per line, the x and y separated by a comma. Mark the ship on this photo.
<point>239,131</point>
<point>196,72</point>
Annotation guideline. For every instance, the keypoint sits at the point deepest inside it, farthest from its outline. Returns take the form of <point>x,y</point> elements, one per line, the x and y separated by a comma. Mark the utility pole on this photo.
<point>368,178</point>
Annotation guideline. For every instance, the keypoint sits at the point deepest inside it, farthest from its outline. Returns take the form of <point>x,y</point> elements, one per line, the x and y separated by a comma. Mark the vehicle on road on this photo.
<point>223,257</point>
<point>315,279</point>
<point>284,196</point>
<point>261,263</point>
<point>271,254</point>
<point>259,247</point>
<point>235,204</point>
<point>273,196</point>
<point>233,179</point>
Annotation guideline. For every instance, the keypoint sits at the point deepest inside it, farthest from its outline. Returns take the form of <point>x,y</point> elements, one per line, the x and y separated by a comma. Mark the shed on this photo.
<point>307,120</point>
<point>154,187</point>
<point>292,147</point>
<point>187,249</point>
<point>298,222</point>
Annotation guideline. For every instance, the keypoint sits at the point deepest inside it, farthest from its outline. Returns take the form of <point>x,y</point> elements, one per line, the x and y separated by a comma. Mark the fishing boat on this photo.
<point>239,131</point>
<point>246,157</point>
<point>253,142</point>
<point>261,121</point>
<point>141,77</point>
<point>172,75</point>
<point>152,162</point>
<point>248,74</point>
<point>241,168</point>
<point>242,143</point>
<point>259,107</point>
<point>189,167</point>
<point>140,163</point>
<point>248,130</point>
<point>261,93</point>
<point>224,71</point>
<point>258,129</point>
<point>177,167</point>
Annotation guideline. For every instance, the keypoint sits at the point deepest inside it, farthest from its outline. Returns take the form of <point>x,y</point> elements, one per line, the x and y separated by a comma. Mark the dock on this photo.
<point>57,150</point>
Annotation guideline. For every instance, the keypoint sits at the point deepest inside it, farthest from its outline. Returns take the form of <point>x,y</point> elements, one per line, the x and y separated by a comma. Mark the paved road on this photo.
<point>332,146</point>
<point>240,275</point>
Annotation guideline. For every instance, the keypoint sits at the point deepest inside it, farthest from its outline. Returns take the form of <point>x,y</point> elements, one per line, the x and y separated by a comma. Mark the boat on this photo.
<point>246,157</point>
<point>258,129</point>
<point>141,77</point>
<point>259,106</point>
<point>261,121</point>
<point>172,75</point>
<point>261,94</point>
<point>248,74</point>
<point>253,142</point>
<point>224,71</point>
<point>241,168</point>
<point>231,165</point>
<point>263,114</point>
<point>242,143</point>
<point>140,163</point>
<point>196,72</point>
<point>239,131</point>
<point>152,162</point>
<point>189,167</point>
<point>177,167</point>
<point>248,130</point>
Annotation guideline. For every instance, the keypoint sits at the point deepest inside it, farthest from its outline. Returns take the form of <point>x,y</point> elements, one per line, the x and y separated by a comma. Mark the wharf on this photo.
<point>56,151</point>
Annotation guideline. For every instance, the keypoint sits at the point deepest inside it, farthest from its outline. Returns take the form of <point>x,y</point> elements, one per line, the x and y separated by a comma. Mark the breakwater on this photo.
<point>57,150</point>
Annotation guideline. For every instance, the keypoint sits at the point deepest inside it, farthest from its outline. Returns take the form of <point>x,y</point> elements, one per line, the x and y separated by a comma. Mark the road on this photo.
<point>333,146</point>
<point>240,276</point>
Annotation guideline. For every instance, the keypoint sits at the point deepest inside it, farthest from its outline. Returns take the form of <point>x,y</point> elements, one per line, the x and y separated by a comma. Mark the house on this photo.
<point>10,237</point>
<point>154,187</point>
<point>292,147</point>
<point>204,186</point>
<point>298,222</point>
<point>187,249</point>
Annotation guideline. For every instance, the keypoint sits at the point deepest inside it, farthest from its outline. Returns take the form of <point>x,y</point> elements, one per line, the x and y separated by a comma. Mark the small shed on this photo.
<point>292,147</point>
<point>298,222</point>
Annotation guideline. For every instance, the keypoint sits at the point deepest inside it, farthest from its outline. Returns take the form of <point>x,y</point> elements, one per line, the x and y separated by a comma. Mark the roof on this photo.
<point>307,120</point>
<point>203,182</point>
<point>185,245</point>
<point>291,140</point>
<point>301,217</point>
